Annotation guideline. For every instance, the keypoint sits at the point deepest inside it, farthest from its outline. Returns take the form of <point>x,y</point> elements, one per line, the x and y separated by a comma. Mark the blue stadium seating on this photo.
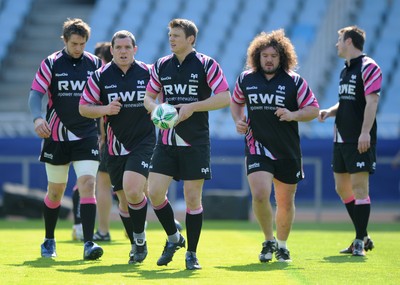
<point>10,25</point>
<point>227,27</point>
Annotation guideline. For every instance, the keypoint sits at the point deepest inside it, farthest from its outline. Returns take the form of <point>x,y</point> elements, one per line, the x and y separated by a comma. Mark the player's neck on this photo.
<point>182,55</point>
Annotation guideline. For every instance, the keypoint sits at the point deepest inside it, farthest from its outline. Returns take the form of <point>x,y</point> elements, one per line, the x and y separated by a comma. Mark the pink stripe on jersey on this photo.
<point>55,128</point>
<point>91,94</point>
<point>372,76</point>
<point>164,136</point>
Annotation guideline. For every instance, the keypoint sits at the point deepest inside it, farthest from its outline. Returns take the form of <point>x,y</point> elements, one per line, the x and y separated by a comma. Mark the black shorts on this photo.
<point>289,171</point>
<point>60,153</point>
<point>137,160</point>
<point>104,155</point>
<point>182,162</point>
<point>347,159</point>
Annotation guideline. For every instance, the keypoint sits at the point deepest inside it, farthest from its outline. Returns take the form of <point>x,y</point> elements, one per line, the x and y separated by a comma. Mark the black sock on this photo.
<point>127,222</point>
<point>166,217</point>
<point>350,210</point>
<point>76,207</point>
<point>361,218</point>
<point>88,216</point>
<point>194,224</point>
<point>138,218</point>
<point>50,220</point>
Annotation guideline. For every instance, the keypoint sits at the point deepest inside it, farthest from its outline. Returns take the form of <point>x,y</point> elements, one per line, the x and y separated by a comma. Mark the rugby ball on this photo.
<point>164,116</point>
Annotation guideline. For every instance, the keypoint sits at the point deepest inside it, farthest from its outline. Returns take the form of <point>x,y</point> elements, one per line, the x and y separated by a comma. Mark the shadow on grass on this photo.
<point>256,267</point>
<point>129,270</point>
<point>43,262</point>
<point>101,243</point>
<point>348,258</point>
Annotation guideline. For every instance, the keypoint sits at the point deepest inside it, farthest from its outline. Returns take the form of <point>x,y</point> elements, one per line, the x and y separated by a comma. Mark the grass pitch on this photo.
<point>228,252</point>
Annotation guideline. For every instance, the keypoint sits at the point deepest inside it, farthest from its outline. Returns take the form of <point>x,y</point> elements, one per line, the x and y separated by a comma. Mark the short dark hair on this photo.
<point>102,50</point>
<point>75,26</point>
<point>122,35</point>
<point>188,27</point>
<point>356,35</point>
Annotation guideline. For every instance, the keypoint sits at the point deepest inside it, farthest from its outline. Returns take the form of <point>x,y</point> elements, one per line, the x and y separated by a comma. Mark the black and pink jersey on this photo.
<point>196,79</point>
<point>63,78</point>
<point>132,126</point>
<point>267,135</point>
<point>357,80</point>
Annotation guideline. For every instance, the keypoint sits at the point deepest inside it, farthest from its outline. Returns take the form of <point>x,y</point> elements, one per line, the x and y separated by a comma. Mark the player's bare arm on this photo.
<point>150,101</point>
<point>305,114</point>
<point>326,113</point>
<point>237,112</point>
<point>96,111</point>
<point>364,141</point>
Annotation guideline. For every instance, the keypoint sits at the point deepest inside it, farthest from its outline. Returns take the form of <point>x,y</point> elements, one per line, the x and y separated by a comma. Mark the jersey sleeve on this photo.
<point>154,84</point>
<point>305,96</point>
<point>372,76</point>
<point>238,96</point>
<point>91,92</point>
<point>215,76</point>
<point>43,76</point>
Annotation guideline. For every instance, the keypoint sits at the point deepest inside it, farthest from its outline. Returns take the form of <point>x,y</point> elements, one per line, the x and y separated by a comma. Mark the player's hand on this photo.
<point>185,111</point>
<point>114,107</point>
<point>284,114</point>
<point>323,115</point>
<point>364,142</point>
<point>42,128</point>
<point>242,126</point>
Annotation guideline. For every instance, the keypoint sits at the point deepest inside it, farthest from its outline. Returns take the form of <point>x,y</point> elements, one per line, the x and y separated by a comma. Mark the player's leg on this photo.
<point>260,183</point>
<point>260,171</point>
<point>285,212</point>
<point>158,185</point>
<point>104,205</point>
<point>57,176</point>
<point>86,173</point>
<point>133,184</point>
<point>77,232</point>
<point>194,220</point>
<point>362,209</point>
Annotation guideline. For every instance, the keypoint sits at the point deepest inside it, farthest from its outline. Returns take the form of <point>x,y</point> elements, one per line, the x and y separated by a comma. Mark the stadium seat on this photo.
<point>10,25</point>
<point>102,20</point>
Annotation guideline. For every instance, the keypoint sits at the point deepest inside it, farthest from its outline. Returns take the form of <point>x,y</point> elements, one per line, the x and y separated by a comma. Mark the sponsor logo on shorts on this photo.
<point>360,164</point>
<point>95,152</point>
<point>205,170</point>
<point>48,155</point>
<point>298,174</point>
<point>144,164</point>
<point>254,165</point>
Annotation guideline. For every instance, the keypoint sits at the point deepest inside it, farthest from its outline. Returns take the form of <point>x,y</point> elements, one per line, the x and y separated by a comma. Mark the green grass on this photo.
<point>228,252</point>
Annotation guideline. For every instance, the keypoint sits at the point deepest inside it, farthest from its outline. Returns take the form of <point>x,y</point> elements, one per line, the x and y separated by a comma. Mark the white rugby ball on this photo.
<point>164,116</point>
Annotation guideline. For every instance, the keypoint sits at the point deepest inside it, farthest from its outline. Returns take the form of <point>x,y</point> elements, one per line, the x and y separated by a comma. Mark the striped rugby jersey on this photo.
<point>359,79</point>
<point>196,79</point>
<point>132,126</point>
<point>267,135</point>
<point>63,79</point>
